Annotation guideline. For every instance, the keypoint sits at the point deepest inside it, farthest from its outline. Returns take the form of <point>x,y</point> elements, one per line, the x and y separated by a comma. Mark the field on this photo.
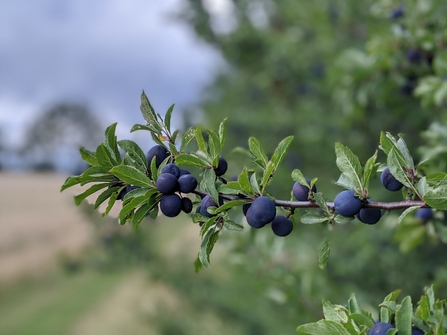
<point>40,226</point>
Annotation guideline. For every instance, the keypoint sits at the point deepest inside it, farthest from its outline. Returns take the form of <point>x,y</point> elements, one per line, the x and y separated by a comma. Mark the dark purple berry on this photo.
<point>183,172</point>
<point>171,205</point>
<point>369,215</point>
<point>159,152</point>
<point>424,213</point>
<point>380,328</point>
<point>187,205</point>
<point>187,183</point>
<point>389,182</point>
<point>397,12</point>
<point>207,202</point>
<point>167,183</point>
<point>172,169</point>
<point>245,208</point>
<point>261,212</point>
<point>301,192</point>
<point>222,167</point>
<point>347,204</point>
<point>282,226</point>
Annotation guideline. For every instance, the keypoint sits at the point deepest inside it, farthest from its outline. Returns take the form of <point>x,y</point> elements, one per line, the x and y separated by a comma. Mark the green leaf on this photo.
<point>129,207</point>
<point>110,204</point>
<point>71,181</point>
<point>319,199</point>
<point>313,219</point>
<point>403,316</point>
<point>340,219</point>
<point>201,144</point>
<point>187,137</point>
<point>198,265</point>
<point>244,183</point>
<point>258,152</point>
<point>151,128</point>
<point>89,156</point>
<point>140,214</point>
<point>437,197</point>
<point>267,176</point>
<point>230,204</point>
<point>323,255</point>
<point>397,170</point>
<point>111,144</point>
<point>362,320</point>
<point>206,247</point>
<point>208,184</point>
<point>322,327</point>
<point>349,165</point>
<point>254,184</point>
<point>92,189</point>
<point>135,153</point>
<point>168,118</point>
<point>423,309</point>
<point>347,183</point>
<point>131,175</point>
<point>148,112</point>
<point>281,151</point>
<point>233,226</point>
<point>406,212</point>
<point>186,159</point>
<point>214,146</point>
<point>105,195</point>
<point>369,170</point>
<point>334,313</point>
<point>385,143</point>
<point>298,176</point>
<point>353,305</point>
<point>405,152</point>
<point>222,133</point>
<point>422,186</point>
<point>104,157</point>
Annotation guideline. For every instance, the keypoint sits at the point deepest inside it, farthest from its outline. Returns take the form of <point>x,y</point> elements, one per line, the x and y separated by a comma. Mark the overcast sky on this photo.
<point>102,53</point>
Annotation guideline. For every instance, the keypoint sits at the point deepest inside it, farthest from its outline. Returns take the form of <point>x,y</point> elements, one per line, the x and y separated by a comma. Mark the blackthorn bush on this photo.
<point>159,152</point>
<point>282,226</point>
<point>301,192</point>
<point>380,328</point>
<point>347,204</point>
<point>187,183</point>
<point>261,212</point>
<point>171,205</point>
<point>167,183</point>
<point>389,182</point>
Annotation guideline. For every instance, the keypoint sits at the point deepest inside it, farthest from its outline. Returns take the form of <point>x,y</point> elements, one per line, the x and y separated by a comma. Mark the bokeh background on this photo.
<point>323,71</point>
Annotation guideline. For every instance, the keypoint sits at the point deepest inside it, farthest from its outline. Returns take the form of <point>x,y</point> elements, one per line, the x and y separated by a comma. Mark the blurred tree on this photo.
<point>57,135</point>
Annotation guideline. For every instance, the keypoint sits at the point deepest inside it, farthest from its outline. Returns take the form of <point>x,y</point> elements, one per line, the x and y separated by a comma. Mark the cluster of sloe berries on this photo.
<point>381,328</point>
<point>171,183</point>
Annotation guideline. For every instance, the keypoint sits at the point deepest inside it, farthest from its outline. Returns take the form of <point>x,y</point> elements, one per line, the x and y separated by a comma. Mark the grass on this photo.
<point>53,305</point>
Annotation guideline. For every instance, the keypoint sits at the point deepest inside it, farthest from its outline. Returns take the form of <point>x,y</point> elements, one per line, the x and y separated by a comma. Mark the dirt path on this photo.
<point>37,224</point>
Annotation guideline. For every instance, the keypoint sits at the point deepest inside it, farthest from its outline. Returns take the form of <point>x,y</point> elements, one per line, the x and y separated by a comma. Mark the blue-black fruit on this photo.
<point>301,192</point>
<point>424,213</point>
<point>397,12</point>
<point>369,215</point>
<point>389,182</point>
<point>347,204</point>
<point>172,169</point>
<point>222,167</point>
<point>187,183</point>
<point>183,172</point>
<point>186,205</point>
<point>159,152</point>
<point>414,55</point>
<point>282,226</point>
<point>261,212</point>
<point>167,183</point>
<point>207,202</point>
<point>416,331</point>
<point>380,328</point>
<point>171,205</point>
<point>245,208</point>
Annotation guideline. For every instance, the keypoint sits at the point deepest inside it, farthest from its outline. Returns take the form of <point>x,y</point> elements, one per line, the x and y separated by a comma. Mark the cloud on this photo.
<point>99,52</point>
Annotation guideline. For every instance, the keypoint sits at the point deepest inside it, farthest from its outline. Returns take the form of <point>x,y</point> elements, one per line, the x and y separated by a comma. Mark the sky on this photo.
<point>100,53</point>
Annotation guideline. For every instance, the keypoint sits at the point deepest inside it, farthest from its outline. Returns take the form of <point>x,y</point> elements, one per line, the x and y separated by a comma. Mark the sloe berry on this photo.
<point>301,192</point>
<point>380,328</point>
<point>159,152</point>
<point>187,183</point>
<point>186,205</point>
<point>424,213</point>
<point>389,182</point>
<point>282,226</point>
<point>172,169</point>
<point>222,167</point>
<point>347,204</point>
<point>369,215</point>
<point>261,212</point>
<point>207,202</point>
<point>171,205</point>
<point>167,183</point>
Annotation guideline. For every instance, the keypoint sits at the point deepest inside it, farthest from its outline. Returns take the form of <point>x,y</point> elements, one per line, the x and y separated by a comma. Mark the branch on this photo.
<point>310,204</point>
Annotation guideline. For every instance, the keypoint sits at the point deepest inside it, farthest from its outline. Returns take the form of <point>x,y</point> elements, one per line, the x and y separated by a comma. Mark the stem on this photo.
<point>309,204</point>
